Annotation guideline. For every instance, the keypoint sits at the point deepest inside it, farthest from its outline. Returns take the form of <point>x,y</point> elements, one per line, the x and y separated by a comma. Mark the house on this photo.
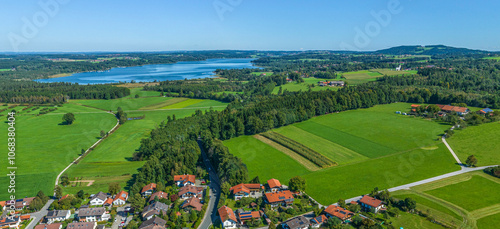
<point>318,221</point>
<point>183,180</point>
<point>98,199</point>
<point>120,198</point>
<point>274,185</point>
<point>25,217</point>
<point>3,205</point>
<point>82,225</point>
<point>190,191</point>
<point>299,222</point>
<point>245,216</point>
<point>148,189</point>
<point>371,204</point>
<point>20,204</point>
<point>336,83</point>
<point>485,111</point>
<point>246,190</point>
<point>10,222</point>
<point>288,80</point>
<point>150,223</point>
<point>460,110</point>
<point>64,197</point>
<point>49,226</point>
<point>92,214</point>
<point>154,209</point>
<point>283,198</point>
<point>108,203</point>
<point>160,195</point>
<point>227,217</point>
<point>339,212</point>
<point>192,203</point>
<point>57,216</point>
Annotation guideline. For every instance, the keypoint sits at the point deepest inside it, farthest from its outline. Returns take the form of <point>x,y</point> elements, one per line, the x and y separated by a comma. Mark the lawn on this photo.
<point>141,93</point>
<point>422,201</point>
<point>476,193</point>
<point>481,141</point>
<point>45,147</point>
<point>163,104</point>
<point>392,72</point>
<point>489,222</point>
<point>263,160</point>
<point>259,73</point>
<point>374,147</point>
<point>409,221</point>
<point>125,103</point>
<point>111,161</point>
<point>492,58</point>
<point>294,86</point>
<point>359,77</point>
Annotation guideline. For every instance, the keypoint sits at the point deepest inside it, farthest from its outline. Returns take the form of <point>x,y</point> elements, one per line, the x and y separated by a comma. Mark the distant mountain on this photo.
<point>428,50</point>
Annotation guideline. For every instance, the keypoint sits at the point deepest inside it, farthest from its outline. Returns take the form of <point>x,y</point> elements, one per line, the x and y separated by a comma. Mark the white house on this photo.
<point>98,199</point>
<point>57,216</point>
<point>92,214</point>
<point>10,222</point>
<point>227,217</point>
<point>120,198</point>
<point>371,204</point>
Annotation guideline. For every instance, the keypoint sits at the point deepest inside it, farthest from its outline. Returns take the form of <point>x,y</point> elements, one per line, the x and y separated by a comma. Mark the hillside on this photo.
<point>428,50</point>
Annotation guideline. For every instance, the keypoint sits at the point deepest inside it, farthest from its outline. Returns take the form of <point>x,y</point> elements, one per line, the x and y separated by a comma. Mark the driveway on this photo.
<point>37,216</point>
<point>121,216</point>
<point>211,213</point>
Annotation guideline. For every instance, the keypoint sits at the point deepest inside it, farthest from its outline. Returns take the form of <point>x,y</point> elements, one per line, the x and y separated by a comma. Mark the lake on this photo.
<point>160,72</point>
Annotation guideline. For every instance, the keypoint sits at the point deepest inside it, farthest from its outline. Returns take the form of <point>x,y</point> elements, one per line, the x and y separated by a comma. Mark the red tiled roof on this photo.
<point>160,195</point>
<point>122,195</point>
<point>64,197</point>
<point>273,183</point>
<point>320,219</point>
<point>239,188</point>
<point>273,197</point>
<point>245,216</point>
<point>3,203</point>
<point>226,213</point>
<point>185,178</point>
<point>151,186</point>
<point>415,105</point>
<point>108,201</point>
<point>25,217</point>
<point>452,108</point>
<point>193,202</point>
<point>370,201</point>
<point>354,202</point>
<point>49,226</point>
<point>339,212</point>
<point>190,189</point>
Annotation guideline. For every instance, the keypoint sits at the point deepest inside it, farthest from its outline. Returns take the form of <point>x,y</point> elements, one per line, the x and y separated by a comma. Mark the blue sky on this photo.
<point>165,25</point>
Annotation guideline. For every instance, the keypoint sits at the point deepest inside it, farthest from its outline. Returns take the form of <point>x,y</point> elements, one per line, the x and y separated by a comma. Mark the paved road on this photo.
<point>37,216</point>
<point>211,213</point>
<point>451,150</point>
<point>120,215</point>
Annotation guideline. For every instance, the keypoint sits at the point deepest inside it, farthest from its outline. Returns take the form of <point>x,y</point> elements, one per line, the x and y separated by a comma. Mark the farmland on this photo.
<point>461,200</point>
<point>359,77</point>
<point>374,148</point>
<point>111,161</point>
<point>39,159</point>
<point>481,141</point>
<point>305,86</point>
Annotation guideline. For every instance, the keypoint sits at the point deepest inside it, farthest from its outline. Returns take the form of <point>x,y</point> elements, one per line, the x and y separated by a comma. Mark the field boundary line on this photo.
<point>484,212</point>
<point>91,147</point>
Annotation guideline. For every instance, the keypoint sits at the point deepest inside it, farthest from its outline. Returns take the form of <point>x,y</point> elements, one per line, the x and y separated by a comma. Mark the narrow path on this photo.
<point>78,158</point>
<point>451,151</point>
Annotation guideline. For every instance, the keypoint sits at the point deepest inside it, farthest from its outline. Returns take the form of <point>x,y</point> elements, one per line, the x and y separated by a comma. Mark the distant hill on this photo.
<point>428,50</point>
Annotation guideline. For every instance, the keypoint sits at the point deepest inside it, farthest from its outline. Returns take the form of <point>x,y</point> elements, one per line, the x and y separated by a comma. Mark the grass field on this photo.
<point>5,69</point>
<point>392,72</point>
<point>294,86</point>
<point>493,58</point>
<point>475,193</point>
<point>263,160</point>
<point>489,222</point>
<point>111,161</point>
<point>141,93</point>
<point>163,104</point>
<point>374,148</point>
<point>360,77</point>
<point>44,146</point>
<point>412,221</point>
<point>125,103</point>
<point>481,141</point>
<point>259,73</point>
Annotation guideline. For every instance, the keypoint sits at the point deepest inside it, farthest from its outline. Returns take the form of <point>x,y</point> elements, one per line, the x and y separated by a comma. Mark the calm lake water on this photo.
<point>160,72</point>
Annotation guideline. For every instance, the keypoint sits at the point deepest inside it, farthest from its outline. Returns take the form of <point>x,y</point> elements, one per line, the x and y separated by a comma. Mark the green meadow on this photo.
<point>44,146</point>
<point>111,161</point>
<point>482,141</point>
<point>374,148</point>
<point>305,86</point>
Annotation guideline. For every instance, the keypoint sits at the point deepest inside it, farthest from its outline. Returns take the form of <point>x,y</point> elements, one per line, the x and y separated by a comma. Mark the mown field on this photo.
<point>305,86</point>
<point>359,77</point>
<point>466,201</point>
<point>482,141</point>
<point>112,161</point>
<point>374,148</point>
<point>45,146</point>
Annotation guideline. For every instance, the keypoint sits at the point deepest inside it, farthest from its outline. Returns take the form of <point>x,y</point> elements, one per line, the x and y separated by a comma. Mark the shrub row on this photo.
<point>299,148</point>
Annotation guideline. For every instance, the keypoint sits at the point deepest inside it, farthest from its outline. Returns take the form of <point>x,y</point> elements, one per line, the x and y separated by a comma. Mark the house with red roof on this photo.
<point>283,198</point>
<point>183,180</point>
<point>339,212</point>
<point>459,110</point>
<point>274,185</point>
<point>227,217</point>
<point>160,195</point>
<point>245,216</point>
<point>64,197</point>
<point>3,205</point>
<point>108,203</point>
<point>120,198</point>
<point>246,190</point>
<point>369,203</point>
<point>190,191</point>
<point>192,203</point>
<point>148,189</point>
<point>49,226</point>
<point>318,221</point>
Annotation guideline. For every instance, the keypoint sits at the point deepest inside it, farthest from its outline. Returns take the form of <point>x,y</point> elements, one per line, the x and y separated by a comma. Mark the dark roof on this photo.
<point>157,221</point>
<point>100,195</point>
<point>297,222</point>
<point>81,225</point>
<point>84,212</point>
<point>56,214</point>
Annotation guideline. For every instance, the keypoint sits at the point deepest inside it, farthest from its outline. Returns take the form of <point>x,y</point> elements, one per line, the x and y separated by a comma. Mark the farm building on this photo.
<point>485,111</point>
<point>459,110</point>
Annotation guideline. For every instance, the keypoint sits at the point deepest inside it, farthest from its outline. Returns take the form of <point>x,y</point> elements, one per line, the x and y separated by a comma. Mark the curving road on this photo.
<point>211,213</point>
